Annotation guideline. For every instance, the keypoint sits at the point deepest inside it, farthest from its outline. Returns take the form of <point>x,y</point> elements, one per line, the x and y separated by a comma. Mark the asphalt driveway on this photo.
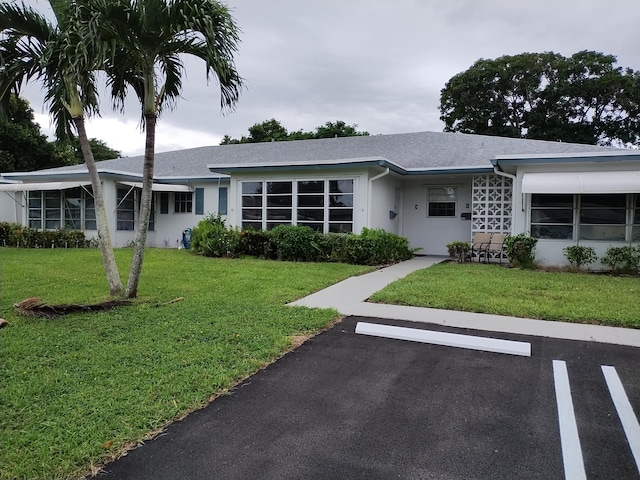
<point>345,405</point>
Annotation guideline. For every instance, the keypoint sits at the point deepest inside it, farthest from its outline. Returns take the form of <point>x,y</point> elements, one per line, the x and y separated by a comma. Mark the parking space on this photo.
<point>346,405</point>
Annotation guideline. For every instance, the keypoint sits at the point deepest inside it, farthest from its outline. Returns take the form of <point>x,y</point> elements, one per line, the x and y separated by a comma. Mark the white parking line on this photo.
<point>446,339</point>
<point>625,411</point>
<point>571,450</point>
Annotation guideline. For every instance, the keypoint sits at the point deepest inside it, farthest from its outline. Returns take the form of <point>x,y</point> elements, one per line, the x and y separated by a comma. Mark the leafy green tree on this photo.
<point>584,98</point>
<point>272,130</point>
<point>267,131</point>
<point>71,153</point>
<point>338,129</point>
<point>64,56</point>
<point>150,37</point>
<point>23,147</point>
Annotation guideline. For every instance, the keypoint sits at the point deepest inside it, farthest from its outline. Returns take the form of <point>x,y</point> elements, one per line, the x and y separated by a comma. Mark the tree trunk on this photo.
<point>104,237</point>
<point>145,208</point>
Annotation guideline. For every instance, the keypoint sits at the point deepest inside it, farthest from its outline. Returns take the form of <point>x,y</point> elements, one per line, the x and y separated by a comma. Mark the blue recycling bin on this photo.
<point>186,238</point>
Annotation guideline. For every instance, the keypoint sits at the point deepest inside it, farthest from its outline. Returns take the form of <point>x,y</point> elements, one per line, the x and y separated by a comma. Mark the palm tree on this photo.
<point>62,58</point>
<point>151,36</point>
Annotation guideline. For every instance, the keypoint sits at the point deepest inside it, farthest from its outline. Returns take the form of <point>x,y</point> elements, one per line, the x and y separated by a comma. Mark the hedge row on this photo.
<point>16,235</point>
<point>212,238</point>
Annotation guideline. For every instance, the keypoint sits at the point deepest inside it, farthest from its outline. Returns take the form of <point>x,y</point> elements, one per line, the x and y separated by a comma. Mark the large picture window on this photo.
<point>324,205</point>
<point>441,201</point>
<point>72,209</point>
<point>611,217</point>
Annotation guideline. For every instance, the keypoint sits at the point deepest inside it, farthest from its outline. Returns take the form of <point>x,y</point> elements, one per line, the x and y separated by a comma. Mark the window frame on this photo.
<point>49,209</point>
<point>183,202</point>
<point>585,208</point>
<point>135,193</point>
<point>264,204</point>
<point>439,208</point>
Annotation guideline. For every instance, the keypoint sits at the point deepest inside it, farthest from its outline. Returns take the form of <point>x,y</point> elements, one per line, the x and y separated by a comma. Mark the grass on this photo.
<point>78,389</point>
<point>561,296</point>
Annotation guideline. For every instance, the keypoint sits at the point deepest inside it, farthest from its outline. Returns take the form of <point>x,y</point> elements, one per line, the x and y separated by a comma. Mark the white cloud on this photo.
<point>376,63</point>
<point>126,137</point>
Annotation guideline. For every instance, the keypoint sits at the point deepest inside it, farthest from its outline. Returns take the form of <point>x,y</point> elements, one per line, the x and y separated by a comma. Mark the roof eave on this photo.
<point>306,166</point>
<point>581,157</point>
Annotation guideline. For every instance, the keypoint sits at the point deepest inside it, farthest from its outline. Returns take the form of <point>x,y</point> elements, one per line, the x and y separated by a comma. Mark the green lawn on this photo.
<point>77,389</point>
<point>570,297</point>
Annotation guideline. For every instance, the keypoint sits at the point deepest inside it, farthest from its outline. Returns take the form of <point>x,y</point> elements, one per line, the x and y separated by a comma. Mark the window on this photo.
<point>311,204</point>
<point>279,203</point>
<point>341,205</point>
<point>608,217</point>
<point>441,202</point>
<point>183,202</point>
<point>552,216</point>
<point>52,209</point>
<point>128,209</point>
<point>72,209</point>
<point>252,205</point>
<point>635,210</point>
<point>324,205</point>
<point>603,217</point>
<point>89,213</point>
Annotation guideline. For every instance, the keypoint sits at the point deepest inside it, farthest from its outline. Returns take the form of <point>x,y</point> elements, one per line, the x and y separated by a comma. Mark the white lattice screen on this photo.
<point>492,204</point>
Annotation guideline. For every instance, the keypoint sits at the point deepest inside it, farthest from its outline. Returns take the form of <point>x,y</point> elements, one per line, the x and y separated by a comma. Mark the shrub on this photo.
<point>579,255</point>
<point>377,247</point>
<point>211,238</point>
<point>256,243</point>
<point>459,251</point>
<point>16,235</point>
<point>623,259</point>
<point>520,250</point>
<point>337,246</point>
<point>299,243</point>
<point>295,243</point>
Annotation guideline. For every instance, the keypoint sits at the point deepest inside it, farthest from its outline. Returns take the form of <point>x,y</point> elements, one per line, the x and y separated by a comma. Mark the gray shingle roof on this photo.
<point>423,150</point>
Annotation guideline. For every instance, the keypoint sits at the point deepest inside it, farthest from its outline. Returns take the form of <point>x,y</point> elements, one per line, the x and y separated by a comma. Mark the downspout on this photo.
<point>513,186</point>
<point>370,195</point>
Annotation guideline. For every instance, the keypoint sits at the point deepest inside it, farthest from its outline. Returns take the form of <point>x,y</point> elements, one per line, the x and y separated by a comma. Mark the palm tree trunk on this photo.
<point>145,208</point>
<point>104,237</point>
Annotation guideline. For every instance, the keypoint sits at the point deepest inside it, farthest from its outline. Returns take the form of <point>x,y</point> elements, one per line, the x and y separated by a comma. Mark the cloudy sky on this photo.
<point>379,64</point>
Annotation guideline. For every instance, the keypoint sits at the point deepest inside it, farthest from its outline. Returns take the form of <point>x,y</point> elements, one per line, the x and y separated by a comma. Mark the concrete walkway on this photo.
<point>349,298</point>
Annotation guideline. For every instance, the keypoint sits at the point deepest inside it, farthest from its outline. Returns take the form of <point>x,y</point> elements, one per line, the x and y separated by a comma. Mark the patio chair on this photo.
<point>496,246</point>
<point>481,241</point>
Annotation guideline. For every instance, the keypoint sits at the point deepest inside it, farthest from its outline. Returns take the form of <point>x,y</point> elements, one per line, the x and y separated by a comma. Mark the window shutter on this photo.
<point>199,201</point>
<point>164,202</point>
<point>222,200</point>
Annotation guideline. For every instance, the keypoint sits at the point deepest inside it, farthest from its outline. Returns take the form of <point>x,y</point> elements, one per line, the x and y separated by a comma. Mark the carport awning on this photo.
<point>29,187</point>
<point>582,182</point>
<point>162,187</point>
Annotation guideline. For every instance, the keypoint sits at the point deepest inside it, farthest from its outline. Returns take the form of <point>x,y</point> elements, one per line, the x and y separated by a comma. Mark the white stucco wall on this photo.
<point>385,196</point>
<point>432,234</point>
<point>11,206</point>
